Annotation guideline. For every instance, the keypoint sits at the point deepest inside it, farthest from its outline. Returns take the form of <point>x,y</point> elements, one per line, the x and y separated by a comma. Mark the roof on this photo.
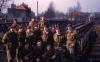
<point>76,13</point>
<point>23,6</point>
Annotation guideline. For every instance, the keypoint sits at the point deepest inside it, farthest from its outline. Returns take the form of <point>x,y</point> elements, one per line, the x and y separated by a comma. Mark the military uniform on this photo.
<point>10,39</point>
<point>21,38</point>
<point>31,24</point>
<point>15,25</point>
<point>70,44</point>
<point>49,54</point>
<point>38,52</point>
<point>21,42</point>
<point>58,40</point>
<point>42,23</point>
<point>26,53</point>
<point>47,38</point>
<point>36,34</point>
<point>29,36</point>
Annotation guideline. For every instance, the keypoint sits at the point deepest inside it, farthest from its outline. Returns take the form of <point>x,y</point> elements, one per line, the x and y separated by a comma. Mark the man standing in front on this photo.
<point>42,23</point>
<point>10,39</point>
<point>31,23</point>
<point>70,44</point>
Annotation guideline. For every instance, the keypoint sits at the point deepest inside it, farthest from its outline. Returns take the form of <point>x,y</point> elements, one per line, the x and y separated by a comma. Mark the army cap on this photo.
<point>69,25</point>
<point>20,27</point>
<point>10,27</point>
<point>57,28</point>
<point>28,27</point>
<point>35,25</point>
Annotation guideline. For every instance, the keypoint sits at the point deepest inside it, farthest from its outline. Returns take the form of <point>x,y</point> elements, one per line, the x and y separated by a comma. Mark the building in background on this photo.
<point>2,17</point>
<point>22,13</point>
<point>79,16</point>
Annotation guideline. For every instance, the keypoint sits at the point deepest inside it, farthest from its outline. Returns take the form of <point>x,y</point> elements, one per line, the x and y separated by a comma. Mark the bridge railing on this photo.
<point>83,32</point>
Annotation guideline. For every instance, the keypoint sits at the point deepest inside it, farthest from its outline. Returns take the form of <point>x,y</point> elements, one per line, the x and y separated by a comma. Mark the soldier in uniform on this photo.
<point>38,52</point>
<point>42,23</point>
<point>37,33</point>
<point>58,39</point>
<point>58,43</point>
<point>26,53</point>
<point>29,36</point>
<point>31,23</point>
<point>21,41</point>
<point>70,44</point>
<point>53,29</point>
<point>47,36</point>
<point>49,54</point>
<point>15,25</point>
<point>28,31</point>
<point>10,39</point>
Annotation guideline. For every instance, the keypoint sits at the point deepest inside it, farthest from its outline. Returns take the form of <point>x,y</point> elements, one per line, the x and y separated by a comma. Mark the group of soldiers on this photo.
<point>37,43</point>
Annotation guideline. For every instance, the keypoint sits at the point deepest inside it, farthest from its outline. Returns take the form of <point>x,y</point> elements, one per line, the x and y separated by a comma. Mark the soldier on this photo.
<point>49,54</point>
<point>38,52</point>
<point>42,23</point>
<point>21,41</point>
<point>31,23</point>
<point>37,33</point>
<point>47,36</point>
<point>10,39</point>
<point>58,43</point>
<point>15,25</point>
<point>58,39</point>
<point>26,53</point>
<point>70,44</point>
<point>29,36</point>
<point>53,29</point>
<point>28,31</point>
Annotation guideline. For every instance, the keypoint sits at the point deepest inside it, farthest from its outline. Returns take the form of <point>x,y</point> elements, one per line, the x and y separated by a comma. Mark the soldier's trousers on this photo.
<point>19,54</point>
<point>11,54</point>
<point>70,48</point>
<point>44,44</point>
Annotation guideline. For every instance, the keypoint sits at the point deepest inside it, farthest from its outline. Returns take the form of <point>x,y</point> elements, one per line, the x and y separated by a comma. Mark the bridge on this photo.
<point>88,40</point>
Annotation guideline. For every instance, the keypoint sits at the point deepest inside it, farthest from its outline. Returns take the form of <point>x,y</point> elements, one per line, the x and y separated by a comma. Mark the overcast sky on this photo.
<point>62,5</point>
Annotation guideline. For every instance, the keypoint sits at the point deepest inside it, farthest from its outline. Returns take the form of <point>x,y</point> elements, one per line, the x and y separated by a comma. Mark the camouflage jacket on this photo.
<point>71,35</point>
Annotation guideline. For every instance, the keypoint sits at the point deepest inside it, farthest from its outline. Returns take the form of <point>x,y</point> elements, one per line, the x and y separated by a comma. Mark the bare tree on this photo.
<point>70,10</point>
<point>3,4</point>
<point>50,13</point>
<point>78,7</point>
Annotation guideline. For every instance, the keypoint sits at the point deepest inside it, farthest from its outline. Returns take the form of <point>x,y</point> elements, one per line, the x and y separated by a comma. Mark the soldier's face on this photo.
<point>42,18</point>
<point>45,29</point>
<point>53,29</point>
<point>39,43</point>
<point>58,31</point>
<point>48,47</point>
<point>20,30</point>
<point>35,28</point>
<point>33,19</point>
<point>28,30</point>
<point>69,28</point>
<point>11,29</point>
<point>14,21</point>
